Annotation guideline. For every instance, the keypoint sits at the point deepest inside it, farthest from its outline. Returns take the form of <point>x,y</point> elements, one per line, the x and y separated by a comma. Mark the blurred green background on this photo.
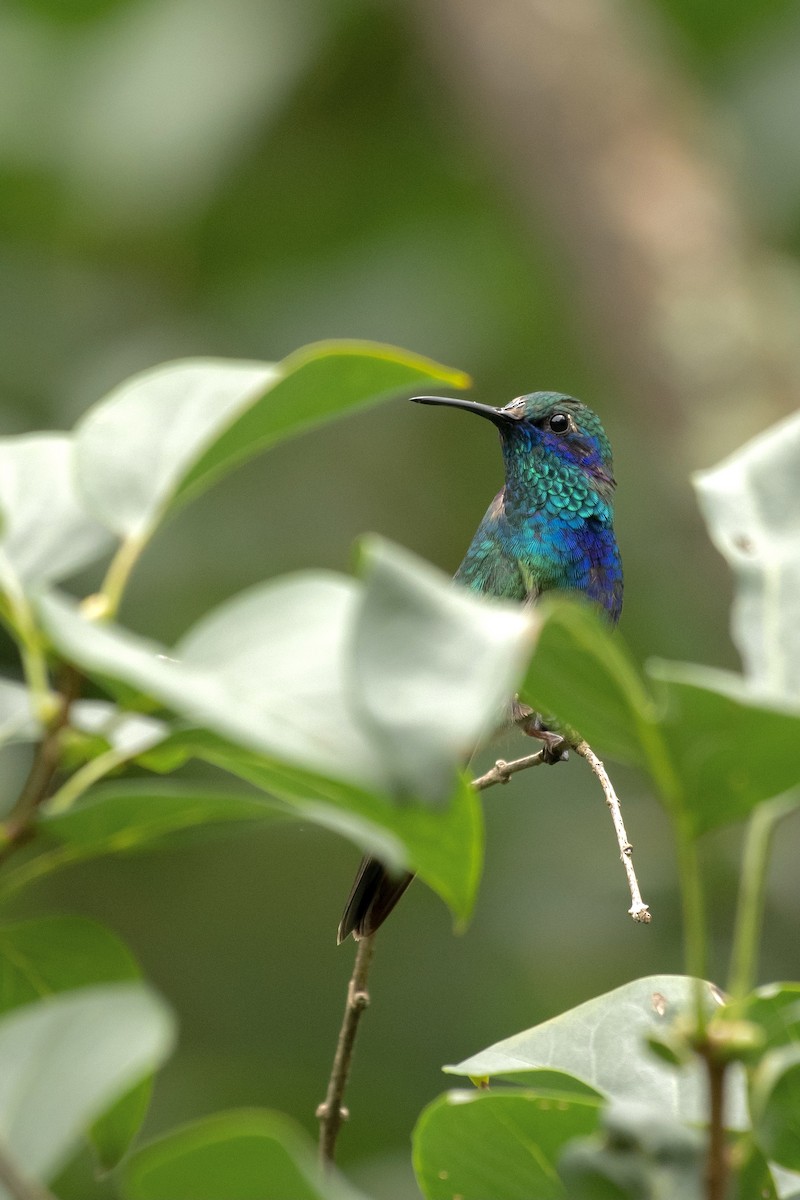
<point>598,198</point>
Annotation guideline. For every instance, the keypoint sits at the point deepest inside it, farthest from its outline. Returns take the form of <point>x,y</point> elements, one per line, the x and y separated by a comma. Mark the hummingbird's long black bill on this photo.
<point>497,416</point>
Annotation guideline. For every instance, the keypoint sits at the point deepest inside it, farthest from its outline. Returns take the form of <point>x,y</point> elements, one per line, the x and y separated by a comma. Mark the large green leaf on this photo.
<point>581,673</point>
<point>433,668</point>
<point>246,1155</point>
<point>170,431</point>
<point>48,955</point>
<point>64,1059</point>
<point>603,1043</point>
<point>265,670</point>
<point>502,1145</point>
<point>751,503</point>
<point>316,384</point>
<point>267,675</point>
<point>46,533</point>
<point>730,748</point>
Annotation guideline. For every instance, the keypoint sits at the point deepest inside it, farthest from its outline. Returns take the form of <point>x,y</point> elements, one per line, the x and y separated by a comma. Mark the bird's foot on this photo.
<point>555,748</point>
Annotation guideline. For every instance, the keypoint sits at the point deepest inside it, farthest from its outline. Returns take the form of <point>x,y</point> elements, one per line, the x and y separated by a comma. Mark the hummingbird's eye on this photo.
<point>558,423</point>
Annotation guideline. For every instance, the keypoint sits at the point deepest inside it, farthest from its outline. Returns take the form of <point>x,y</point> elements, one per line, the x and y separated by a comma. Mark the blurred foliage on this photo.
<point>182,177</point>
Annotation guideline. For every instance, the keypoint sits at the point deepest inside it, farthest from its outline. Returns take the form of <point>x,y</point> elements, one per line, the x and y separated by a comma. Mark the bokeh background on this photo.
<point>595,196</point>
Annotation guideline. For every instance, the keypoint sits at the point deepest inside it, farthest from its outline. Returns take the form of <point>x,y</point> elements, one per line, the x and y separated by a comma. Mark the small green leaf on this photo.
<point>433,668</point>
<point>246,1155</point>
<point>751,504</point>
<point>581,673</point>
<point>167,433</point>
<point>46,534</point>
<point>731,747</point>
<point>775,1105</point>
<point>502,1145</point>
<point>775,1008</point>
<point>65,1059</point>
<point>48,955</point>
<point>602,1042</point>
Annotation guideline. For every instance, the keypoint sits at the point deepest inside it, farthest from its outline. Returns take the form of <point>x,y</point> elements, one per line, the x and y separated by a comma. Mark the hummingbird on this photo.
<point>549,528</point>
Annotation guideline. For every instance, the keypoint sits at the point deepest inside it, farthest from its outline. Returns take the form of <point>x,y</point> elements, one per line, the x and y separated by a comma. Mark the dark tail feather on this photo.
<point>372,897</point>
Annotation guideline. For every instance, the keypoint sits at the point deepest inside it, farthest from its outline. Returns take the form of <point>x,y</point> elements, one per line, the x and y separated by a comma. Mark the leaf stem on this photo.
<point>84,778</point>
<point>117,576</point>
<point>34,663</point>
<point>752,890</point>
<point>331,1112</point>
<point>694,915</point>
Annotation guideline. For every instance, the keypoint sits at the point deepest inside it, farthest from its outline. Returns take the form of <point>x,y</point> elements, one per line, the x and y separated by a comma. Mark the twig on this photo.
<point>717,1160</point>
<point>17,825</point>
<point>331,1113</point>
<point>638,909</point>
<point>18,1187</point>
<point>502,771</point>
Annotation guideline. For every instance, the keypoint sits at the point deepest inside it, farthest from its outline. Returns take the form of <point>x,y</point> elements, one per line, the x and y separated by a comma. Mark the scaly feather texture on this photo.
<point>551,527</point>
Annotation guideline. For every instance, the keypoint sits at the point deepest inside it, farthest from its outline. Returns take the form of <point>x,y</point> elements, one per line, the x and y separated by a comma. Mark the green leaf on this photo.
<point>602,1042</point>
<point>641,1155</point>
<point>730,748</point>
<point>775,1008</point>
<point>265,673</point>
<point>17,720</point>
<point>444,846</point>
<point>264,670</point>
<point>751,504</point>
<point>581,673</point>
<point>48,955</point>
<point>246,1155</point>
<point>65,1059</point>
<point>753,1175</point>
<point>132,733</point>
<point>502,1145</point>
<point>167,433</point>
<point>136,814</point>
<point>317,384</point>
<point>433,668</point>
<point>130,817</point>
<point>775,1105</point>
<point>46,534</point>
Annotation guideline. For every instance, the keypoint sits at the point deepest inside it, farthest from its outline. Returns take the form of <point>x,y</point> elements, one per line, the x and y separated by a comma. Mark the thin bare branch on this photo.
<point>638,909</point>
<point>502,771</point>
<point>331,1112</point>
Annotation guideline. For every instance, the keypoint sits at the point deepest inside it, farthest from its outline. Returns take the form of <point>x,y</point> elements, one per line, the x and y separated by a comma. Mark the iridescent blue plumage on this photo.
<point>551,525</point>
<point>549,528</point>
